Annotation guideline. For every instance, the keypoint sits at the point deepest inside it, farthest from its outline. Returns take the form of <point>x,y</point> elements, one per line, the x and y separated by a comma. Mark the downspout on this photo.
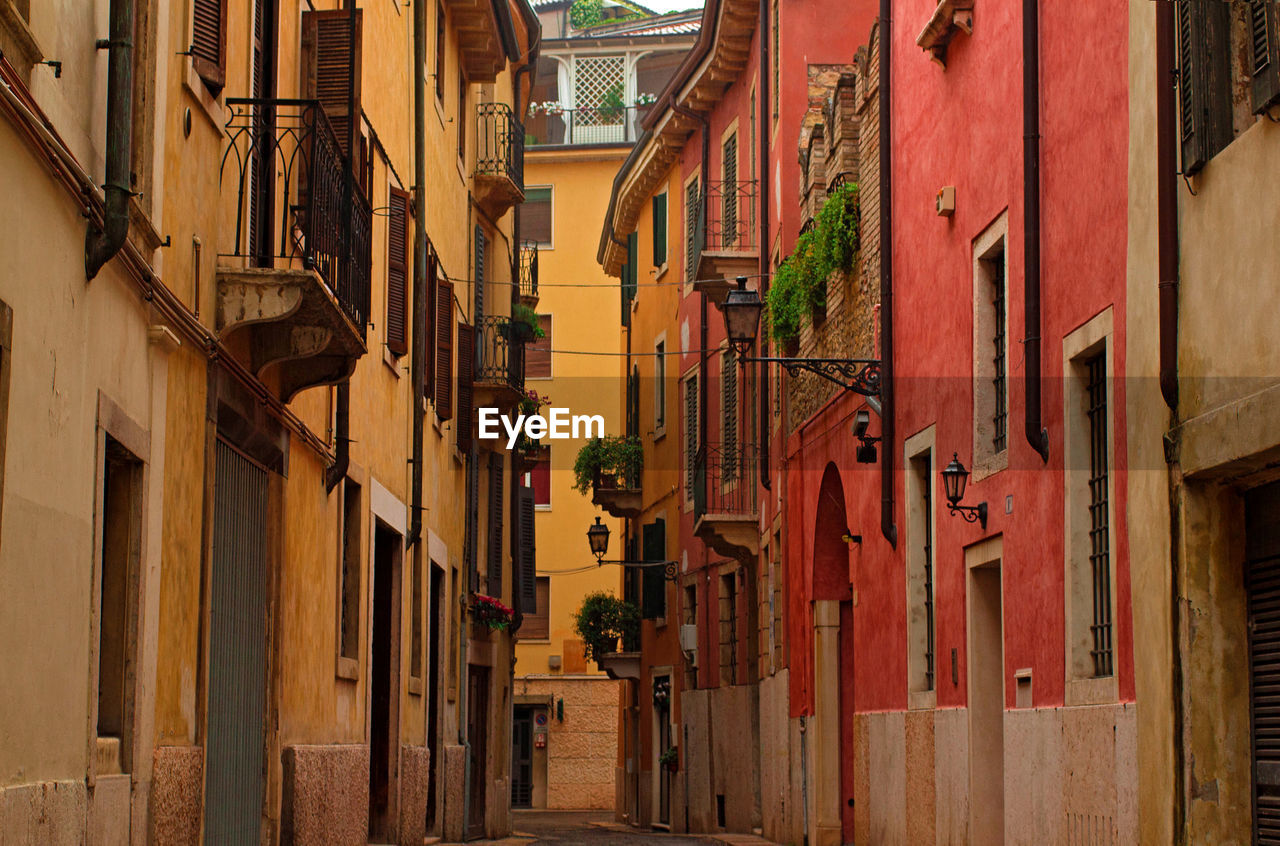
<point>762,173</point>
<point>1167,203</point>
<point>887,527</point>
<point>417,363</point>
<point>100,244</point>
<point>1035,432</point>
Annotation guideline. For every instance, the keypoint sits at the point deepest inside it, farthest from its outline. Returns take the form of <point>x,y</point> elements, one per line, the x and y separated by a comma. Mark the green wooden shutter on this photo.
<point>654,584</point>
<point>1264,58</point>
<point>630,272</point>
<point>466,380</point>
<point>1204,81</point>
<point>691,211</point>
<point>527,594</point>
<point>493,577</point>
<point>660,230</point>
<point>729,413</point>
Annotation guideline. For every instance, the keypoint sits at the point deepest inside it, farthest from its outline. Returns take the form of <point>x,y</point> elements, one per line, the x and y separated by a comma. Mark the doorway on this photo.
<point>986,702</point>
<point>522,757</point>
<point>384,660</point>
<point>848,751</point>
<point>662,716</point>
<point>236,739</point>
<point>477,739</point>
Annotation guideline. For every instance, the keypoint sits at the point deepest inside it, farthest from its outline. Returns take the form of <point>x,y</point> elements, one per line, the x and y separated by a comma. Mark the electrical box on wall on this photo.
<point>946,201</point>
<point>689,637</point>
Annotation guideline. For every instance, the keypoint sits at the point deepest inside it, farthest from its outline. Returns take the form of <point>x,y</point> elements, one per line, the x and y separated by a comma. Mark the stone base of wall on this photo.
<point>51,813</point>
<point>110,807</point>
<point>177,795</point>
<point>325,796</point>
<point>454,823</point>
<point>415,768</point>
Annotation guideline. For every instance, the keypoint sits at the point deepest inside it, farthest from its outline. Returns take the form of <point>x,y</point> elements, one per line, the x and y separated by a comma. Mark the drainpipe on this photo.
<point>1035,432</point>
<point>762,172</point>
<point>101,244</point>
<point>1167,203</point>
<point>342,440</point>
<point>887,527</point>
<point>418,361</point>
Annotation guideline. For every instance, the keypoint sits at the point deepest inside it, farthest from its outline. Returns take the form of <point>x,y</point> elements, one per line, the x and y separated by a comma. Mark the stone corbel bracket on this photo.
<point>948,17</point>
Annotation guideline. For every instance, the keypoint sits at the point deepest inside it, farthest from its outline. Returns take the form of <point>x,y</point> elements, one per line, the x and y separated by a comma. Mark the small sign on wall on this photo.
<point>540,740</point>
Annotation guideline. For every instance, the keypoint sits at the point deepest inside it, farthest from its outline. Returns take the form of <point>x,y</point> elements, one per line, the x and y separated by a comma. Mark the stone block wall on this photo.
<point>582,751</point>
<point>177,795</point>
<point>326,795</point>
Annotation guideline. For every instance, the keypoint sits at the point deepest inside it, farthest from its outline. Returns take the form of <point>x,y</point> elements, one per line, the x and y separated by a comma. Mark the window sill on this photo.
<point>537,507</point>
<point>392,361</point>
<point>661,271</point>
<point>19,34</point>
<point>1104,691</point>
<point>922,700</point>
<point>534,641</point>
<point>210,107</point>
<point>659,432</point>
<point>348,668</point>
<point>415,686</point>
<point>989,465</point>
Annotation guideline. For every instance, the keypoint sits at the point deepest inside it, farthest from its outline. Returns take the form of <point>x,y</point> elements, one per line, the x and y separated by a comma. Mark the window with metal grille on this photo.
<point>729,629</point>
<point>926,497</point>
<point>1099,517</point>
<point>999,378</point>
<point>691,211</point>
<point>729,191</point>
<point>921,662</point>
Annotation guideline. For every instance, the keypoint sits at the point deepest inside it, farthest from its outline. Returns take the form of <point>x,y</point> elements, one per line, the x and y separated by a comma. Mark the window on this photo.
<point>630,276</point>
<point>921,632</point>
<point>444,348</point>
<point>1090,587</point>
<point>535,216</point>
<point>690,432</point>
<point>660,229</point>
<point>328,51</point>
<point>462,120</point>
<point>398,272</point>
<point>536,625</point>
<point>729,413</point>
<point>440,45</point>
<point>653,590</point>
<point>775,56</point>
<point>209,42</point>
<point>539,478</point>
<point>415,608</point>
<point>691,619</point>
<point>729,629</point>
<point>537,353</point>
<point>751,117</point>
<point>119,509</point>
<point>990,350</point>
<point>729,190</point>
<point>349,579</point>
<point>496,513</point>
<point>660,386</point>
<point>691,211</point>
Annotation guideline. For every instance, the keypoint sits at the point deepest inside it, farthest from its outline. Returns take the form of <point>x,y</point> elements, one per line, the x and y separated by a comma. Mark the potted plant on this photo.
<point>602,620</point>
<point>524,324</point>
<point>526,449</point>
<point>609,462</point>
<point>491,612</point>
<point>670,759</point>
<point>611,106</point>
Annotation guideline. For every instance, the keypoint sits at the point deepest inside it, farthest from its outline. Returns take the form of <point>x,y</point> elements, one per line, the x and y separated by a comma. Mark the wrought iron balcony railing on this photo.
<point>500,139</point>
<point>724,480</point>
<point>292,206</point>
<point>499,358</point>
<point>529,270</point>
<point>726,218</point>
<point>590,125</point>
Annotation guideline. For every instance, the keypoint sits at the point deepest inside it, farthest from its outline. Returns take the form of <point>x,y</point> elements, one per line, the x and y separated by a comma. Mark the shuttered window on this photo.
<point>729,413</point>
<point>527,587</point>
<point>653,592</point>
<point>537,623</point>
<point>1264,58</point>
<point>496,511</point>
<point>660,229</point>
<point>535,216</point>
<point>1262,587</point>
<point>690,431</point>
<point>328,50</point>
<point>1204,81</point>
<point>690,227</point>
<point>537,353</point>
<point>209,42</point>
<point>481,244</point>
<point>444,349</point>
<point>440,45</point>
<point>730,191</point>
<point>429,375</point>
<point>398,273</point>
<point>466,379</point>
<point>630,274</point>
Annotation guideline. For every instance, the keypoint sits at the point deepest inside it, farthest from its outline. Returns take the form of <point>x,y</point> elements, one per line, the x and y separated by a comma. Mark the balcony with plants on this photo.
<point>499,174</point>
<point>528,281</point>
<point>499,370</point>
<point>726,514</point>
<point>724,238</point>
<point>610,469</point>
<point>610,631</point>
<point>293,273</point>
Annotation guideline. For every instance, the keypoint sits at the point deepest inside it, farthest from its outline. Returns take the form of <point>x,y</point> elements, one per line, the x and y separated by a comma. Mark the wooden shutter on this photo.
<point>444,349</point>
<point>1262,589</point>
<point>429,375</point>
<point>209,42</point>
<point>494,545</point>
<point>653,601</point>
<point>328,51</point>
<point>690,225</point>
<point>1204,83</point>
<point>690,430</point>
<point>729,413</point>
<point>630,276</point>
<point>398,273</point>
<point>729,191</point>
<point>466,379</point>
<point>535,216</point>
<point>537,360</point>
<point>527,597</point>
<point>1264,58</point>
<point>660,230</point>
<point>440,45</point>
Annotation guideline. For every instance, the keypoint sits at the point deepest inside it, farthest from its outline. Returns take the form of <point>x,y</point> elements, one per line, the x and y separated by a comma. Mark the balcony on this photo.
<point>529,274</point>
<point>499,375</point>
<point>479,38</point>
<point>499,176</point>
<point>725,236</point>
<point>620,497</point>
<point>293,286</point>
<point>596,126</point>
<point>726,516</point>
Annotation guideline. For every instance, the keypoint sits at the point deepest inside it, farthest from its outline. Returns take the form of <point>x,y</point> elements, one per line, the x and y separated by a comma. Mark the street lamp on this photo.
<point>598,538</point>
<point>954,479</point>
<point>742,325</point>
<point>866,453</point>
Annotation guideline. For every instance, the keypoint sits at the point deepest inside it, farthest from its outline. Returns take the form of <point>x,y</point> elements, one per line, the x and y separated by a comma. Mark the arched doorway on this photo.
<point>833,665</point>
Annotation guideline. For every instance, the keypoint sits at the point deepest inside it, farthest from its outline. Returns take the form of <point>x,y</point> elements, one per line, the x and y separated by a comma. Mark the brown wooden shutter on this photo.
<point>537,353</point>
<point>1204,83</point>
<point>466,377</point>
<point>444,348</point>
<point>429,364</point>
<point>535,215</point>
<point>496,477</point>
<point>209,42</point>
<point>527,597</point>
<point>398,273</point>
<point>1264,58</point>
<point>328,51</point>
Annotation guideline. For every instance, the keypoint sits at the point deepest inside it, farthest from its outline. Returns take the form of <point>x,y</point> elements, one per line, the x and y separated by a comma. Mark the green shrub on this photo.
<point>602,620</point>
<point>617,456</point>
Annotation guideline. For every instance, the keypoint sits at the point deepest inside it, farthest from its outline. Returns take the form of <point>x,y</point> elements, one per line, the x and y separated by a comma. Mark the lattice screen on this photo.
<point>593,78</point>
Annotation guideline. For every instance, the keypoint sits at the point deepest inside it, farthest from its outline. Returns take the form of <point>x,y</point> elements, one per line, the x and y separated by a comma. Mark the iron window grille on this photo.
<point>1099,516</point>
<point>926,489</point>
<point>729,630</point>
<point>999,381</point>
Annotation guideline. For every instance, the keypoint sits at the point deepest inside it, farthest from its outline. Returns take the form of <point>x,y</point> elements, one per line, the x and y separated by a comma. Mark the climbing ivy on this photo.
<point>585,13</point>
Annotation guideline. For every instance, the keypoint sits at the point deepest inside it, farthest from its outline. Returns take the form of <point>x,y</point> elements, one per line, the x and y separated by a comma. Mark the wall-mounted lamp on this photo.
<point>598,538</point>
<point>866,453</point>
<point>954,479</point>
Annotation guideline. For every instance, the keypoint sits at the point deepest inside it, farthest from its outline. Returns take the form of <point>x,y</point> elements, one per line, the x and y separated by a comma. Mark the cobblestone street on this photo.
<point>587,827</point>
